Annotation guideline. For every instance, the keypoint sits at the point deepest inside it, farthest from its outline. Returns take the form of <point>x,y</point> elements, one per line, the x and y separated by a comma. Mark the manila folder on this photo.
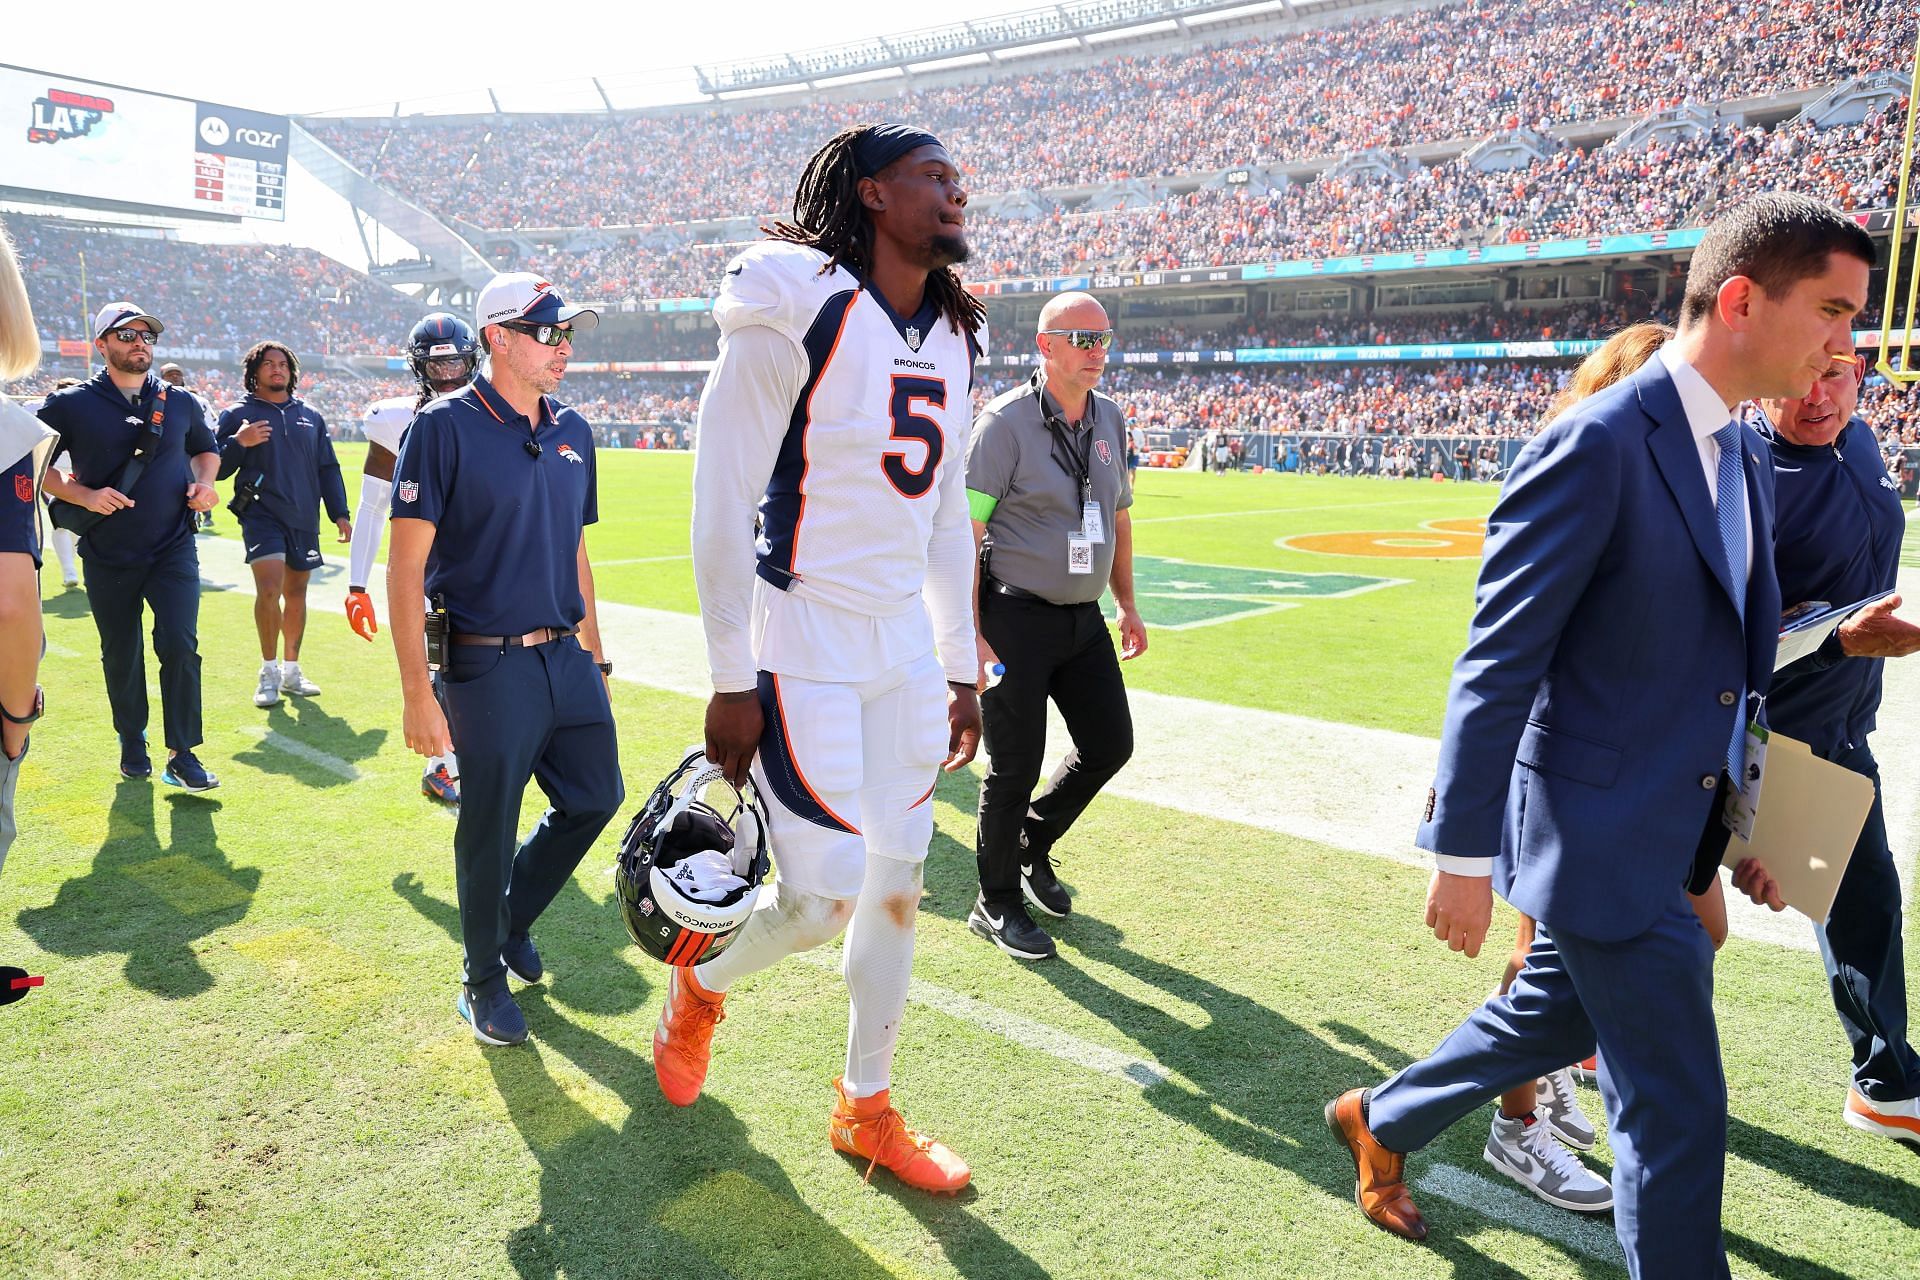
<point>1805,826</point>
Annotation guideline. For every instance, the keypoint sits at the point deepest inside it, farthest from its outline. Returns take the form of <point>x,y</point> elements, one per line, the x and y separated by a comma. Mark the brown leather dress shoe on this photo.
<point>1380,1188</point>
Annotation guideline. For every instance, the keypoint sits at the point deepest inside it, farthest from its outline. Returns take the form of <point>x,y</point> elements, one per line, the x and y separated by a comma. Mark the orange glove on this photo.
<point>360,615</point>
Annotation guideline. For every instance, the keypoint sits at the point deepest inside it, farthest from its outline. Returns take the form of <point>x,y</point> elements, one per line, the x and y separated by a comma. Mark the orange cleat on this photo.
<point>683,1041</point>
<point>872,1129</point>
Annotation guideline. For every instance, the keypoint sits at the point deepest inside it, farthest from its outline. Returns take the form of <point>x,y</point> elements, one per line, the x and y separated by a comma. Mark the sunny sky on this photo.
<point>352,53</point>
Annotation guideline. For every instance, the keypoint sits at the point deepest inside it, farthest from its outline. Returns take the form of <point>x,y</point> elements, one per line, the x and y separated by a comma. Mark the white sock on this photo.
<point>64,545</point>
<point>290,669</point>
<point>877,963</point>
<point>785,921</point>
<point>271,664</point>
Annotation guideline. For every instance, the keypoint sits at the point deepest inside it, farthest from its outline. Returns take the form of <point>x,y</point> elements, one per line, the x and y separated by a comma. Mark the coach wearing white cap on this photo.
<point>142,459</point>
<point>492,493</point>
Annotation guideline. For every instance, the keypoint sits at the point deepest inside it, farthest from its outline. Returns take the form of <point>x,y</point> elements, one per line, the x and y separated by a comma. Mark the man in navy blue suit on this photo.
<point>1626,612</point>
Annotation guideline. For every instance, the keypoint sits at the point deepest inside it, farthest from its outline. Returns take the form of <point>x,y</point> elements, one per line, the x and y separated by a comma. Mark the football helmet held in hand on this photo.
<point>687,875</point>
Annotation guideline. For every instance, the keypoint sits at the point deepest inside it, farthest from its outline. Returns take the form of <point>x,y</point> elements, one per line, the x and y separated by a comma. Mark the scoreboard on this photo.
<point>64,136</point>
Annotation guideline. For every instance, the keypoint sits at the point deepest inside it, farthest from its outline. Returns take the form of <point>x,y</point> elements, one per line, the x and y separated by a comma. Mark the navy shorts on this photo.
<point>19,513</point>
<point>268,539</point>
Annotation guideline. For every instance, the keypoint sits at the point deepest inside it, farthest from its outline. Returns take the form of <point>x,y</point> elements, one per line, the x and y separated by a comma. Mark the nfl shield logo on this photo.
<point>1106,454</point>
<point>23,488</point>
<point>409,490</point>
<point>913,338</point>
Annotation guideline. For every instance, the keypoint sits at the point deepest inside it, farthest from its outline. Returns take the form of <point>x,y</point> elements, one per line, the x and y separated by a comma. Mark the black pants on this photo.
<point>515,715</point>
<point>1062,652</point>
<point>169,584</point>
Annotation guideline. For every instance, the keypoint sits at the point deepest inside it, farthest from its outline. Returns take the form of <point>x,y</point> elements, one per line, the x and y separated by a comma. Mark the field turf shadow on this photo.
<point>148,899</point>
<point>676,1192</point>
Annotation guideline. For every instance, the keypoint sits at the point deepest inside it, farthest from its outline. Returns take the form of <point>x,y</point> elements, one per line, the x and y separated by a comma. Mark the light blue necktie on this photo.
<point>1730,502</point>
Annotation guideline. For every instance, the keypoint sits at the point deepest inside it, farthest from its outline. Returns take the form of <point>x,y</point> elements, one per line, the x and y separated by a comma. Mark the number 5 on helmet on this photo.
<point>360,614</point>
<point>687,875</point>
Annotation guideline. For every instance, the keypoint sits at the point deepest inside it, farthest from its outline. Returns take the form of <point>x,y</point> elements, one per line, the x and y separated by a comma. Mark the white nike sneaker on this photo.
<point>1525,1151</point>
<point>1559,1106</point>
<point>268,694</point>
<point>294,681</point>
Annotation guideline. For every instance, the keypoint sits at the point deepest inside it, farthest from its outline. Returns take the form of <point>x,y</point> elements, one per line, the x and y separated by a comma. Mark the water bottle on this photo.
<point>995,670</point>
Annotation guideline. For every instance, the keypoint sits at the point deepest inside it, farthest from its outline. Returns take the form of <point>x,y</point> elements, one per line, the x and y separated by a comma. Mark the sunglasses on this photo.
<point>1084,339</point>
<point>131,335</point>
<point>547,335</point>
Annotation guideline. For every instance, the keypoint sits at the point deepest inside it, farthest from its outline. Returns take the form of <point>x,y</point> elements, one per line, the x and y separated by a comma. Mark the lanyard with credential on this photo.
<point>1078,465</point>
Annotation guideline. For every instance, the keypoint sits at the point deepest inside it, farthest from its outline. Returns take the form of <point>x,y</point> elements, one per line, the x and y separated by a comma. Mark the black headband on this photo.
<point>881,145</point>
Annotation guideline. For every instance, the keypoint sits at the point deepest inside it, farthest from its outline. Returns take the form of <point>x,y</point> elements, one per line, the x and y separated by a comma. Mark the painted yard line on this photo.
<point>607,564</point>
<point>1287,511</point>
<point>1514,1208</point>
<point>60,651</point>
<point>1018,1028</point>
<point>1336,784</point>
<point>301,751</point>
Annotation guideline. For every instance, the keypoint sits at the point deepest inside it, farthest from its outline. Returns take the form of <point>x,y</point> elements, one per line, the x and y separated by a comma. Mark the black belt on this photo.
<point>537,636</point>
<point>1021,593</point>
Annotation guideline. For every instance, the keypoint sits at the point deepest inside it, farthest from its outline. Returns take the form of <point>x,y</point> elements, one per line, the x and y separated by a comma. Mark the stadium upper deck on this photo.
<point>1453,73</point>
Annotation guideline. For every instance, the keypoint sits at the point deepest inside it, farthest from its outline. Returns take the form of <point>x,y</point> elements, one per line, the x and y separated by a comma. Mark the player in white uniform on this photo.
<point>443,355</point>
<point>839,409</point>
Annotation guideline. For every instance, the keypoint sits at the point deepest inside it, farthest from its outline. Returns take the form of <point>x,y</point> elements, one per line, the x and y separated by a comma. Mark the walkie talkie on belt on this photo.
<point>437,633</point>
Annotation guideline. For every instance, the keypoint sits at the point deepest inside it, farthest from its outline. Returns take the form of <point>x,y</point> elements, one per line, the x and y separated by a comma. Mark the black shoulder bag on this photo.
<point>79,520</point>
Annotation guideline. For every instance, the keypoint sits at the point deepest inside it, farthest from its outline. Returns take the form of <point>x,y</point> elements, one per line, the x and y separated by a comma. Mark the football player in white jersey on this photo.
<point>443,355</point>
<point>839,410</point>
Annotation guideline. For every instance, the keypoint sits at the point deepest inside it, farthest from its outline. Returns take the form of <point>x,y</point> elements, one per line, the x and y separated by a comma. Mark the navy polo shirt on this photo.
<point>508,523</point>
<point>298,461</point>
<point>98,427</point>
<point>1838,525</point>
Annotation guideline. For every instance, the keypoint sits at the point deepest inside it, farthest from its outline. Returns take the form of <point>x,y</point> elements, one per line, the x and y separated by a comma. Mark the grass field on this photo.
<point>245,1061</point>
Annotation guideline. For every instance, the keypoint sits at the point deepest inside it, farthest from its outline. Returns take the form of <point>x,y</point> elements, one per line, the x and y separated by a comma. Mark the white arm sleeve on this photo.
<point>949,590</point>
<point>369,523</point>
<point>743,418</point>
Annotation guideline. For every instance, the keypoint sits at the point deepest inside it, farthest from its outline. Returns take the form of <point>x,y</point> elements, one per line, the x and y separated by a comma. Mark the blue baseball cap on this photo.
<point>524,296</point>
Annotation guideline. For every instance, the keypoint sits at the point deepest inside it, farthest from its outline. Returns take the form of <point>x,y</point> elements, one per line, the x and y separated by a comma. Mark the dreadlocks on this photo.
<point>828,215</point>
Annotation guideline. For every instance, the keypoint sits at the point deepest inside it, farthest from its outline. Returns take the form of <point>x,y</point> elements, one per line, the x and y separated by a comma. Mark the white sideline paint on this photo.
<point>1518,1210</point>
<point>1022,1030</point>
<point>301,751</point>
<point>1336,784</point>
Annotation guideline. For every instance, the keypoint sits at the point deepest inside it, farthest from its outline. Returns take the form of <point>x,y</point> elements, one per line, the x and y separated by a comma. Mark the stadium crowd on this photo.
<point>1570,193</point>
<point>216,296</point>
<point>1455,71</point>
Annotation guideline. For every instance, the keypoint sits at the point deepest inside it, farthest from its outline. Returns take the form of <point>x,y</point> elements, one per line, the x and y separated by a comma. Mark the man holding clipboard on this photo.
<point>1839,526</point>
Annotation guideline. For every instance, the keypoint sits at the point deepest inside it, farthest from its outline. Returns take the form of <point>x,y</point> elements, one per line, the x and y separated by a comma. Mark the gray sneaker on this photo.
<point>1559,1106</point>
<point>1525,1151</point>
<point>268,694</point>
<point>294,681</point>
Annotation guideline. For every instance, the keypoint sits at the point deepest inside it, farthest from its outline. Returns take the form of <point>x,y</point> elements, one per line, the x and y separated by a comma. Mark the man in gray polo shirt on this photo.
<point>1048,490</point>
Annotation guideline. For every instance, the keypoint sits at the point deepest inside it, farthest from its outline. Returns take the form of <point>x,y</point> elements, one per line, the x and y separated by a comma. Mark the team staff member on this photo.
<point>279,446</point>
<point>492,494</point>
<point>1048,491</point>
<point>23,445</point>
<point>142,552</point>
<point>1840,526</point>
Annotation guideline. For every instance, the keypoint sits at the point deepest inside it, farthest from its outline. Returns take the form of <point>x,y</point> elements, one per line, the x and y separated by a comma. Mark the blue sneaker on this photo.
<point>133,758</point>
<point>185,770</point>
<point>522,961</point>
<point>495,1018</point>
<point>437,784</point>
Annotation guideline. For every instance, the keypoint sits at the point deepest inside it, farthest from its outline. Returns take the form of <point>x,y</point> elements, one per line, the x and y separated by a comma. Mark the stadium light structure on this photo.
<point>1073,21</point>
<point>1902,372</point>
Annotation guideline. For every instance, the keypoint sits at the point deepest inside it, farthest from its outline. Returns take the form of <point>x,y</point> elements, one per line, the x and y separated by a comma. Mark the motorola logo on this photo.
<point>214,131</point>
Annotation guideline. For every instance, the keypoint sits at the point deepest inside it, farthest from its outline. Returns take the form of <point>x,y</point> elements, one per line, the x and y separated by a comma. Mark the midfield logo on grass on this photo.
<point>1176,594</point>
